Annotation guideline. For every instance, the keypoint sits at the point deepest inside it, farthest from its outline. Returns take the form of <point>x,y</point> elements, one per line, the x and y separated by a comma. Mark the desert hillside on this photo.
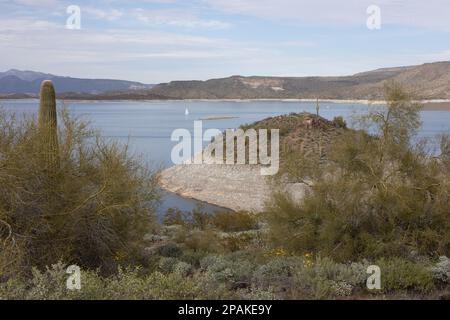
<point>226,185</point>
<point>430,81</point>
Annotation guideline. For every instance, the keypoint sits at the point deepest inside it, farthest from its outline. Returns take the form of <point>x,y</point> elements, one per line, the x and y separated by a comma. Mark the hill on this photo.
<point>28,82</point>
<point>430,81</point>
<point>226,185</point>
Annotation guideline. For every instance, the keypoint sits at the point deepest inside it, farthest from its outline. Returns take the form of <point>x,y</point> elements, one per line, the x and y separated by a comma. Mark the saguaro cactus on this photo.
<point>48,125</point>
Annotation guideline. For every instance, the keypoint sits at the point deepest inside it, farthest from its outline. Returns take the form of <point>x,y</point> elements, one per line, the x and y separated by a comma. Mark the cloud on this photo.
<point>37,3</point>
<point>435,56</point>
<point>298,43</point>
<point>431,14</point>
<point>110,14</point>
<point>113,53</point>
<point>177,18</point>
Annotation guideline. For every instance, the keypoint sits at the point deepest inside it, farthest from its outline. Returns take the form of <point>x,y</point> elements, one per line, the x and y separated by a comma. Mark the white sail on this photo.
<point>186,112</point>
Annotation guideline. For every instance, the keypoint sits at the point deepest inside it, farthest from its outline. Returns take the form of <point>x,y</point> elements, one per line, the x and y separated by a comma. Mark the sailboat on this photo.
<point>186,112</point>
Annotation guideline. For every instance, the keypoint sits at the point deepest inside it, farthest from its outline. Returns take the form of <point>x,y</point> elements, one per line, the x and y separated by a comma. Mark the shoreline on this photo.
<point>445,102</point>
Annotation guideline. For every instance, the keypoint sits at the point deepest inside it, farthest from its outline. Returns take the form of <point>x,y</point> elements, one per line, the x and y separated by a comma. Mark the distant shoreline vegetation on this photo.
<point>211,118</point>
<point>431,105</point>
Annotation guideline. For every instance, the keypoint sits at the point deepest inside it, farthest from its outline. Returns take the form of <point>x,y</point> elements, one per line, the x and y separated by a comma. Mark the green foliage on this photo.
<point>101,199</point>
<point>402,276</point>
<point>170,250</point>
<point>441,271</point>
<point>376,196</point>
<point>214,233</point>
<point>227,221</point>
<point>234,221</point>
<point>339,122</point>
<point>232,276</point>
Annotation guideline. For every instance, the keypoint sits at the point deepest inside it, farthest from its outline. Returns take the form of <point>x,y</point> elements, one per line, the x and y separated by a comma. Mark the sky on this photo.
<point>155,41</point>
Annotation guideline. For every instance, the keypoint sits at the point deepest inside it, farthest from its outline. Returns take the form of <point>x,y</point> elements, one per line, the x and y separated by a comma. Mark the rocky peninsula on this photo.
<point>241,187</point>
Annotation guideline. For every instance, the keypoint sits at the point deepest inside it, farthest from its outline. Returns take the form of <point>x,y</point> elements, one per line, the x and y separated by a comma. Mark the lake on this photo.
<point>148,125</point>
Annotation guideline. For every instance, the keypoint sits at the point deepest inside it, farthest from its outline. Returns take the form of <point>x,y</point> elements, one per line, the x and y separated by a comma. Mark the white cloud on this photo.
<point>436,56</point>
<point>110,14</point>
<point>37,3</point>
<point>177,18</point>
<point>298,43</point>
<point>114,53</point>
<point>431,14</point>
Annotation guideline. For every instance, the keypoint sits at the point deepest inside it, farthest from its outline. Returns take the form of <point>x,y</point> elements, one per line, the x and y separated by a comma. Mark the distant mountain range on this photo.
<point>28,82</point>
<point>428,81</point>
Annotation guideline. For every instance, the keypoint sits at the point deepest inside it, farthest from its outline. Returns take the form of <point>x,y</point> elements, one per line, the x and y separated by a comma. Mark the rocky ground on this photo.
<point>241,186</point>
<point>237,187</point>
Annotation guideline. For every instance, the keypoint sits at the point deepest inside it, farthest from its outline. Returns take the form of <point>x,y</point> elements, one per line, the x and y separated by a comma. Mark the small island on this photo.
<point>211,118</point>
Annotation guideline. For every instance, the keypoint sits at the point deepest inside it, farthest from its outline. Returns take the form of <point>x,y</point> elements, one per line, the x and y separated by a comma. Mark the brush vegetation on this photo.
<point>378,198</point>
<point>90,207</point>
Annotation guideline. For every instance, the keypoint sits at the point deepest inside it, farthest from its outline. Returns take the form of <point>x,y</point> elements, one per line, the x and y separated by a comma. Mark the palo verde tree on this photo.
<point>67,194</point>
<point>380,192</point>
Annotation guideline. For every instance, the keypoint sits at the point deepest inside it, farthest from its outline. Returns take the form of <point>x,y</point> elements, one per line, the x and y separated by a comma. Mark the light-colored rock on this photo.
<point>238,187</point>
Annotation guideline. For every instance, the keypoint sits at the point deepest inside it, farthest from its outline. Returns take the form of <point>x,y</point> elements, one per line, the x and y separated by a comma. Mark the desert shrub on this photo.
<point>276,275</point>
<point>170,250</point>
<point>198,240</point>
<point>441,271</point>
<point>193,257</point>
<point>256,294</point>
<point>174,216</point>
<point>128,283</point>
<point>234,221</point>
<point>378,195</point>
<point>339,122</point>
<point>219,232</point>
<point>230,277</point>
<point>324,279</point>
<point>183,269</point>
<point>399,275</point>
<point>239,241</point>
<point>167,265</point>
<point>225,269</point>
<point>92,210</point>
<point>195,219</point>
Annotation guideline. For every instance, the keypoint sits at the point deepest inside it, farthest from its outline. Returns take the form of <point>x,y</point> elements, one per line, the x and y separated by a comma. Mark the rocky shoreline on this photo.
<point>237,187</point>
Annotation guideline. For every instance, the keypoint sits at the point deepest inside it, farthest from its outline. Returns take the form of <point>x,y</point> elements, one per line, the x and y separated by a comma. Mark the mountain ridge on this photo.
<point>429,81</point>
<point>16,81</point>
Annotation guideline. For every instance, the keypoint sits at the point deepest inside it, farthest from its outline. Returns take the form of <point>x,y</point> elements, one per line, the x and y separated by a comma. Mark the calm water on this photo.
<point>147,126</point>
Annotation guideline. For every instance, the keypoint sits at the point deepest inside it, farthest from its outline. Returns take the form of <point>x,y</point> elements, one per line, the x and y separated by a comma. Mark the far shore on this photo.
<point>435,104</point>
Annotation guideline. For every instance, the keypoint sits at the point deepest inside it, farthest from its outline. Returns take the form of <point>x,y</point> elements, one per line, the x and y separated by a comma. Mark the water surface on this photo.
<point>148,125</point>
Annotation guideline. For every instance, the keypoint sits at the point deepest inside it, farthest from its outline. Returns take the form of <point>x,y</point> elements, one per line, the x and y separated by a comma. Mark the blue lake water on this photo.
<point>148,125</point>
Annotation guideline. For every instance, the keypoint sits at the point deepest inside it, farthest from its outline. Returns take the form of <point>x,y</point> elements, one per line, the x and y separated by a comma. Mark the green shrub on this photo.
<point>339,122</point>
<point>441,271</point>
<point>376,195</point>
<point>167,265</point>
<point>170,250</point>
<point>183,269</point>
<point>276,275</point>
<point>93,210</point>
<point>234,221</point>
<point>399,275</point>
